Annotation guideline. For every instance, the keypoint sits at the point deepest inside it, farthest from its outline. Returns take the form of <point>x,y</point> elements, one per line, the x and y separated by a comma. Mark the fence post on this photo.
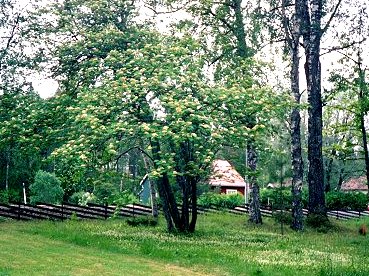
<point>19,210</point>
<point>336,214</point>
<point>106,210</point>
<point>62,210</point>
<point>133,209</point>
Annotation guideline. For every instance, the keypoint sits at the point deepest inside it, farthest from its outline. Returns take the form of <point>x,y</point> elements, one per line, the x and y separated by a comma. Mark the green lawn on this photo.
<point>223,245</point>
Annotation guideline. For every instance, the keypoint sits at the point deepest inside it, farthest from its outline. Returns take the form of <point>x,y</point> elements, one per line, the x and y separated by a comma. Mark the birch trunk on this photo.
<point>254,211</point>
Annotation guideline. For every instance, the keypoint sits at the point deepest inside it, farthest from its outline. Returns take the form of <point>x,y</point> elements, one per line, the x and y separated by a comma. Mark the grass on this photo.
<point>223,244</point>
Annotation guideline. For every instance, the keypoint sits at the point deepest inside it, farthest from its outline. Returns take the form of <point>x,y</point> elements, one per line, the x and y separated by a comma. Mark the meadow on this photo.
<point>223,244</point>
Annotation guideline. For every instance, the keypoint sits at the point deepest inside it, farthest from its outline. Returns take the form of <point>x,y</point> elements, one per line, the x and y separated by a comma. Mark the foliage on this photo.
<point>212,199</point>
<point>82,198</point>
<point>125,198</point>
<point>46,188</point>
<point>144,221</point>
<point>281,197</point>
<point>10,195</point>
<point>104,192</point>
<point>282,217</point>
<point>355,201</point>
<point>319,222</point>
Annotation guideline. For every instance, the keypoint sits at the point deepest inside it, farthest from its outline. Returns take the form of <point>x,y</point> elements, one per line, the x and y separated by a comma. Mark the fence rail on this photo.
<point>41,211</point>
<point>47,211</point>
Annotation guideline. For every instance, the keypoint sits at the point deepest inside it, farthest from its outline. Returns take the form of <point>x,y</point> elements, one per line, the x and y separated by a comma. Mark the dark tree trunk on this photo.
<point>340,179</point>
<point>365,146</point>
<point>255,213</point>
<point>328,173</point>
<point>170,208</point>
<point>311,26</point>
<point>297,163</point>
<point>362,95</point>
<point>243,51</point>
<point>293,34</point>
<point>193,183</point>
<point>7,170</point>
<point>185,213</point>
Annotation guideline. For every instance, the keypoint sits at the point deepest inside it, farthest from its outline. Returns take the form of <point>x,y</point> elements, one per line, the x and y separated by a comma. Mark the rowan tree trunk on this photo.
<point>166,194</point>
<point>7,170</point>
<point>193,183</point>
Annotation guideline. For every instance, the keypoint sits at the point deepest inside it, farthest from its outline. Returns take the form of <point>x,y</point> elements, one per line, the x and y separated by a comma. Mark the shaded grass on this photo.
<point>223,245</point>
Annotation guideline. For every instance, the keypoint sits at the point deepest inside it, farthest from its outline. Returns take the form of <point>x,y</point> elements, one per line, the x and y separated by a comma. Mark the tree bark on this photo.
<point>311,22</point>
<point>362,121</point>
<point>328,173</point>
<point>7,170</point>
<point>243,51</point>
<point>293,34</point>
<point>254,211</point>
<point>193,183</point>
<point>170,208</point>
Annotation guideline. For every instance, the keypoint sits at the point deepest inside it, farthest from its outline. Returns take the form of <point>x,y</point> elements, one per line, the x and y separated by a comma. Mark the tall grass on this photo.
<point>224,244</point>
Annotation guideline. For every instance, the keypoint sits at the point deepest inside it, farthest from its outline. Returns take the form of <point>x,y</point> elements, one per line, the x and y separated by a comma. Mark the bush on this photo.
<point>105,193</point>
<point>145,221</point>
<point>82,198</point>
<point>282,217</point>
<point>277,197</point>
<point>10,195</point>
<point>46,188</point>
<point>319,222</point>
<point>125,198</point>
<point>346,201</point>
<point>220,200</point>
<point>281,199</point>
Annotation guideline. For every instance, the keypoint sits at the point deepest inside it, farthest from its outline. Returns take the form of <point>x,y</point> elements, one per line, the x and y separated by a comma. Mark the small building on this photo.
<point>145,193</point>
<point>355,184</point>
<point>285,184</point>
<point>226,178</point>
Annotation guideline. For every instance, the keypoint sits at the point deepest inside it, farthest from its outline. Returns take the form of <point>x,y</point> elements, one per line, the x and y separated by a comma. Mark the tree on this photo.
<point>230,44</point>
<point>46,188</point>
<point>132,88</point>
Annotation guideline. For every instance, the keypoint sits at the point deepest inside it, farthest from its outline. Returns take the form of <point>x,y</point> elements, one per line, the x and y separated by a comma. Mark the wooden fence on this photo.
<point>21,211</point>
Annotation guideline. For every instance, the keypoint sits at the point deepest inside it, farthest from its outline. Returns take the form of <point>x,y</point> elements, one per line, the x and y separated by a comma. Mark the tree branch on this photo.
<point>331,17</point>
<point>130,149</point>
<point>338,48</point>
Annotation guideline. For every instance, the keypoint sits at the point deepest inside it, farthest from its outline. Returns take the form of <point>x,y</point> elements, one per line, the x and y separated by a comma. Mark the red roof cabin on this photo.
<point>357,184</point>
<point>225,177</point>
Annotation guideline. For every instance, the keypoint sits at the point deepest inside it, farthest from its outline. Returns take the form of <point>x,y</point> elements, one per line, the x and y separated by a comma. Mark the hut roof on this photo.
<point>355,184</point>
<point>223,174</point>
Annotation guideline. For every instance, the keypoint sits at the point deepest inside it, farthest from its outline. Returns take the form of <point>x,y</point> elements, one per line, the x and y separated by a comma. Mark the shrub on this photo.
<point>220,200</point>
<point>10,195</point>
<point>281,198</point>
<point>282,217</point>
<point>319,222</point>
<point>125,198</point>
<point>145,221</point>
<point>82,198</point>
<point>46,188</point>
<point>105,193</point>
<point>346,201</point>
<point>277,197</point>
